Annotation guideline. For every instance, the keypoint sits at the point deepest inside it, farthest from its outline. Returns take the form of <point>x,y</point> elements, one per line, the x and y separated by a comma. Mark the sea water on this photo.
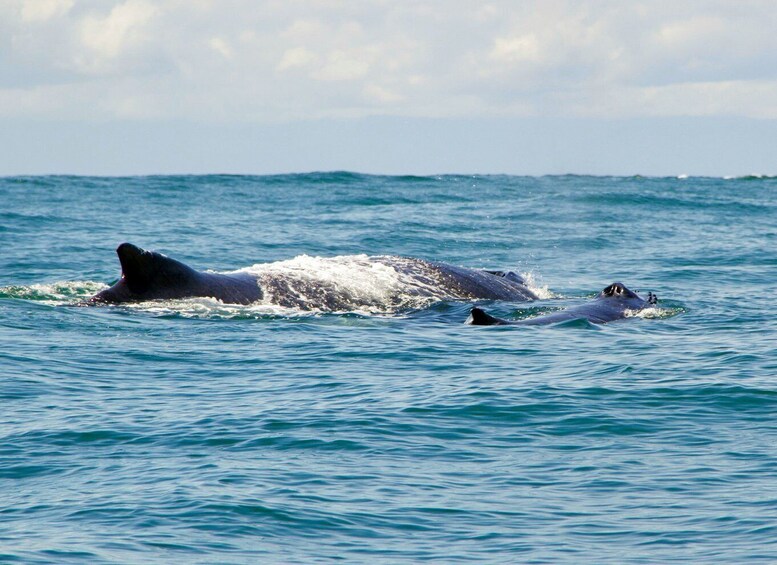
<point>192,431</point>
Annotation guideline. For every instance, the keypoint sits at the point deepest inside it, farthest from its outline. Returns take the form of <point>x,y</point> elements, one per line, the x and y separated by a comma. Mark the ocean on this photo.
<point>191,431</point>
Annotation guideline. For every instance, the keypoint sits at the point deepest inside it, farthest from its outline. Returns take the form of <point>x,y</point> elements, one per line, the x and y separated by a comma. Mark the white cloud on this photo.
<point>41,10</point>
<point>381,95</point>
<point>344,65</point>
<point>109,36</point>
<point>221,46</point>
<point>296,58</point>
<point>525,48</point>
<point>250,60</point>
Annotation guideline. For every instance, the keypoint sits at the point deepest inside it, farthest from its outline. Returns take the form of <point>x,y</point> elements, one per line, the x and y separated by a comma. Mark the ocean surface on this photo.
<point>191,431</point>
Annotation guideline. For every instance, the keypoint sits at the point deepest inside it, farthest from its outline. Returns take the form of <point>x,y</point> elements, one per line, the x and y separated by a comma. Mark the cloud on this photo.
<point>297,58</point>
<point>41,10</point>
<point>269,60</point>
<point>110,34</point>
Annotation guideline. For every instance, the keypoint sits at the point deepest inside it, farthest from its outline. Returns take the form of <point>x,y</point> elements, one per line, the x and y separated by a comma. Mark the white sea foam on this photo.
<point>211,308</point>
<point>653,313</point>
<point>55,292</point>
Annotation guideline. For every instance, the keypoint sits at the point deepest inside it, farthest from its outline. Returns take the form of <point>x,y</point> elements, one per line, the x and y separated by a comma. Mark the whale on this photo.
<point>149,275</point>
<point>613,303</point>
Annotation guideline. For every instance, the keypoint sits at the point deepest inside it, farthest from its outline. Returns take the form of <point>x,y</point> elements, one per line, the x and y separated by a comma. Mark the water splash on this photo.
<point>541,290</point>
<point>54,293</point>
<point>654,313</point>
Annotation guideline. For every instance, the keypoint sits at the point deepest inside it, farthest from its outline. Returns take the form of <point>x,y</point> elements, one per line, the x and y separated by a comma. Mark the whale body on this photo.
<point>149,275</point>
<point>611,304</point>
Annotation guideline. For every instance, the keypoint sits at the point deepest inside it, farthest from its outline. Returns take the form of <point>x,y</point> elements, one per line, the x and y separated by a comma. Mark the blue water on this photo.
<point>195,432</point>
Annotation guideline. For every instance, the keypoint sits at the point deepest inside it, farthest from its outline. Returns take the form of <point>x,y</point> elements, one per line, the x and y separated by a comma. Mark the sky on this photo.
<point>650,87</point>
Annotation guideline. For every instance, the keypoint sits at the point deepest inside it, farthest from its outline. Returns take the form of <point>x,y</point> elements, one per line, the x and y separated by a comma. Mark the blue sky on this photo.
<point>532,87</point>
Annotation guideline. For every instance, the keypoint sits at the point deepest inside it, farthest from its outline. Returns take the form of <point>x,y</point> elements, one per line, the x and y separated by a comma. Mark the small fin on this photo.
<point>478,317</point>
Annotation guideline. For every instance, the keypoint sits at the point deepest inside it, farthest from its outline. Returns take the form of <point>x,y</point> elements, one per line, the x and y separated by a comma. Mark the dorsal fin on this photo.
<point>478,317</point>
<point>136,266</point>
<point>143,269</point>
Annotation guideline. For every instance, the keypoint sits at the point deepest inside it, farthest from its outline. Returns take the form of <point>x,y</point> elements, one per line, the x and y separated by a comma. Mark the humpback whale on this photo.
<point>612,303</point>
<point>149,275</point>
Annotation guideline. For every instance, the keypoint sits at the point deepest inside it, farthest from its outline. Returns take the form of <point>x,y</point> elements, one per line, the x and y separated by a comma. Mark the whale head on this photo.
<point>618,290</point>
<point>618,297</point>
